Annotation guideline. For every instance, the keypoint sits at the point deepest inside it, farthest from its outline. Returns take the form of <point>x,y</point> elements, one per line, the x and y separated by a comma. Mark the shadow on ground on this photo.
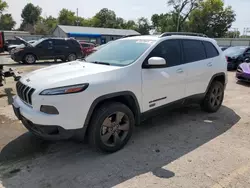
<point>9,94</point>
<point>157,142</point>
<point>246,84</point>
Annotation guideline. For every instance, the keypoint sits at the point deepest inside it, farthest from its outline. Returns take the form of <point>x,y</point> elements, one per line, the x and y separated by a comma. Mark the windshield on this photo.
<point>120,52</point>
<point>234,51</point>
<point>37,42</point>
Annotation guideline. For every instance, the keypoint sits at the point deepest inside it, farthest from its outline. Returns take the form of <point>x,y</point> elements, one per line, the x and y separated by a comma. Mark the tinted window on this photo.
<point>247,51</point>
<point>60,43</point>
<point>210,49</point>
<point>47,44</point>
<point>170,50</point>
<point>193,51</point>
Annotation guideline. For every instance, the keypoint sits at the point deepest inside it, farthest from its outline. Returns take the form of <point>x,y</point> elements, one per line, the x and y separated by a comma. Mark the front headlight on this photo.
<point>239,69</point>
<point>65,90</point>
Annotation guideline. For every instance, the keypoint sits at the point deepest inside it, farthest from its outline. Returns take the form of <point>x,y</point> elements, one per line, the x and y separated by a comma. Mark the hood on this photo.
<point>23,41</point>
<point>245,67</point>
<point>65,74</point>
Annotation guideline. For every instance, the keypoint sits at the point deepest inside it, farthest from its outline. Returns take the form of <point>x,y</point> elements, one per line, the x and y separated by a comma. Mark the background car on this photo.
<point>223,48</point>
<point>243,71</point>
<point>48,48</point>
<point>86,48</point>
<point>236,55</point>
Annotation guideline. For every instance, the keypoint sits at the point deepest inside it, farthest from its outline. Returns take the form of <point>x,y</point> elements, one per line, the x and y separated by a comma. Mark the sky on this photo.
<point>127,9</point>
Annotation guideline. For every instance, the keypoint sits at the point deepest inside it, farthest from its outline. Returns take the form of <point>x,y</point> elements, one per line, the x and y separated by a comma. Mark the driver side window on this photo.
<point>46,44</point>
<point>170,50</point>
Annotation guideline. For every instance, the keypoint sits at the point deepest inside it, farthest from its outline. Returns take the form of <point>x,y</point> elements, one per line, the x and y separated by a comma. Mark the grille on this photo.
<point>24,92</point>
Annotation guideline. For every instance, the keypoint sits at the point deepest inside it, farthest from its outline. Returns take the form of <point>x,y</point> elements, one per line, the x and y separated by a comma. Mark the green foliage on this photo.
<point>105,18</point>
<point>7,22</point>
<point>67,17</point>
<point>232,34</point>
<point>3,6</point>
<point>143,26</point>
<point>211,18</point>
<point>31,14</point>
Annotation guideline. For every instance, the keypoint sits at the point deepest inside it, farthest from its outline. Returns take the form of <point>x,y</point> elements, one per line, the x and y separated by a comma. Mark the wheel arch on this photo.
<point>30,53</point>
<point>126,97</point>
<point>221,77</point>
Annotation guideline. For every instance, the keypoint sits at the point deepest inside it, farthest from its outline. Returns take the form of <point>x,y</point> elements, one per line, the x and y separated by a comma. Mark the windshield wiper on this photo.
<point>101,63</point>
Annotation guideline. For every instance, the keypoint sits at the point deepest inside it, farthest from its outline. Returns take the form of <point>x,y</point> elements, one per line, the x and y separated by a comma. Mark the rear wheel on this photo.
<point>29,59</point>
<point>214,97</point>
<point>111,127</point>
<point>71,57</point>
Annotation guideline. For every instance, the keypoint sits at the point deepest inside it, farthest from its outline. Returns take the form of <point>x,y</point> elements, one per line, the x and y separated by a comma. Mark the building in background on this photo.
<point>92,34</point>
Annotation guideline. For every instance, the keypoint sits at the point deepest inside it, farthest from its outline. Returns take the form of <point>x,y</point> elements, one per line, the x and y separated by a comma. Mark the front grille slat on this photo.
<point>25,92</point>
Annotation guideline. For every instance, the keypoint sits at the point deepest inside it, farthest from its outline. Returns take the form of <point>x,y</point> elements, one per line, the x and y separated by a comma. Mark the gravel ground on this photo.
<point>184,148</point>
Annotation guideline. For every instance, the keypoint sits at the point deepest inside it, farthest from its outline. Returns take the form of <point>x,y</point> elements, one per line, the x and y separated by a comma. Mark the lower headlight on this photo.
<point>65,90</point>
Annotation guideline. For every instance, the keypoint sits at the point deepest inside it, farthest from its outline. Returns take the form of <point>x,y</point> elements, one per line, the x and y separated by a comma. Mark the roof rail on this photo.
<point>183,33</point>
<point>126,36</point>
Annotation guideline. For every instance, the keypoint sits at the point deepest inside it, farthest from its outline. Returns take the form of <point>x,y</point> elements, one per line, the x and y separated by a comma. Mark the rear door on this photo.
<point>199,68</point>
<point>61,48</point>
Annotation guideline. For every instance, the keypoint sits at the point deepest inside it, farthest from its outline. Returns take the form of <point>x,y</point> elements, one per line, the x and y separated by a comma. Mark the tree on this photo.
<point>105,18</point>
<point>164,22</point>
<point>130,24</point>
<point>182,10</point>
<point>211,18</point>
<point>7,22</point>
<point>31,14</point>
<point>232,34</point>
<point>3,6</point>
<point>67,17</point>
<point>50,23</point>
<point>143,26</point>
<point>41,28</point>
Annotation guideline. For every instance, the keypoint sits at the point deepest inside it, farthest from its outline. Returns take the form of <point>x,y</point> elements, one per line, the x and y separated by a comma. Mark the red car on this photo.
<point>87,48</point>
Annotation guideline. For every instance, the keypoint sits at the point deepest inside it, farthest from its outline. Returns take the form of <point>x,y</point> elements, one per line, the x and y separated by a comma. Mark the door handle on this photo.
<point>210,64</point>
<point>179,71</point>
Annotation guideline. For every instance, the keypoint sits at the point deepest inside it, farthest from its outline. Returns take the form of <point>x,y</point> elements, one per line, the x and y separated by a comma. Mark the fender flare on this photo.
<point>110,96</point>
<point>212,79</point>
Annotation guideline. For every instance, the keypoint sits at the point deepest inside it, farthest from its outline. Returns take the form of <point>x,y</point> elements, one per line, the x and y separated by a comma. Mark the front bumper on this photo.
<point>49,127</point>
<point>49,132</point>
<point>16,58</point>
<point>243,76</point>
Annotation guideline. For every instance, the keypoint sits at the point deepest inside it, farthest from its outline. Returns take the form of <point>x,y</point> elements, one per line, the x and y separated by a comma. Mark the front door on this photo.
<point>45,50</point>
<point>167,84</point>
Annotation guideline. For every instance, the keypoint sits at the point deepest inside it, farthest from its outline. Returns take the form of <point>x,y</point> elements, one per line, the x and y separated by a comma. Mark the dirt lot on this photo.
<point>184,148</point>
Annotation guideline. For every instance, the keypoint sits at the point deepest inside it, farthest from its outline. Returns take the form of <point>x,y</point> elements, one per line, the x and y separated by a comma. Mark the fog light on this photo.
<point>49,109</point>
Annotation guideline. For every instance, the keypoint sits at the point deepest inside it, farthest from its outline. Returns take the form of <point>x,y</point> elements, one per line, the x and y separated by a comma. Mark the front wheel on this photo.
<point>111,127</point>
<point>214,97</point>
<point>29,59</point>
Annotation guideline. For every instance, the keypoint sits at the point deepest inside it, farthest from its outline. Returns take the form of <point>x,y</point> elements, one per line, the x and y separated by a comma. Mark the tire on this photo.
<point>114,136</point>
<point>71,57</point>
<point>29,59</point>
<point>214,97</point>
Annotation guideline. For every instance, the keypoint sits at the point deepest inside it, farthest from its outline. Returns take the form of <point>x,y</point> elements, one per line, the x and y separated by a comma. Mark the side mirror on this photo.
<point>156,61</point>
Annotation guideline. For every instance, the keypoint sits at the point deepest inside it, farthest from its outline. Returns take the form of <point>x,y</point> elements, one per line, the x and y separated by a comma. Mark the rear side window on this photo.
<point>210,49</point>
<point>170,50</point>
<point>60,43</point>
<point>74,43</point>
<point>194,50</point>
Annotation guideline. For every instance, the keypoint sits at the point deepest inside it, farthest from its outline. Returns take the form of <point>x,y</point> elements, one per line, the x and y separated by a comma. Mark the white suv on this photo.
<point>115,88</point>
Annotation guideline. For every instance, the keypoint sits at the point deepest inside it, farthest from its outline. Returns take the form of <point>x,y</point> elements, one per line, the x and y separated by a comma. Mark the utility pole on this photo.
<point>77,21</point>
